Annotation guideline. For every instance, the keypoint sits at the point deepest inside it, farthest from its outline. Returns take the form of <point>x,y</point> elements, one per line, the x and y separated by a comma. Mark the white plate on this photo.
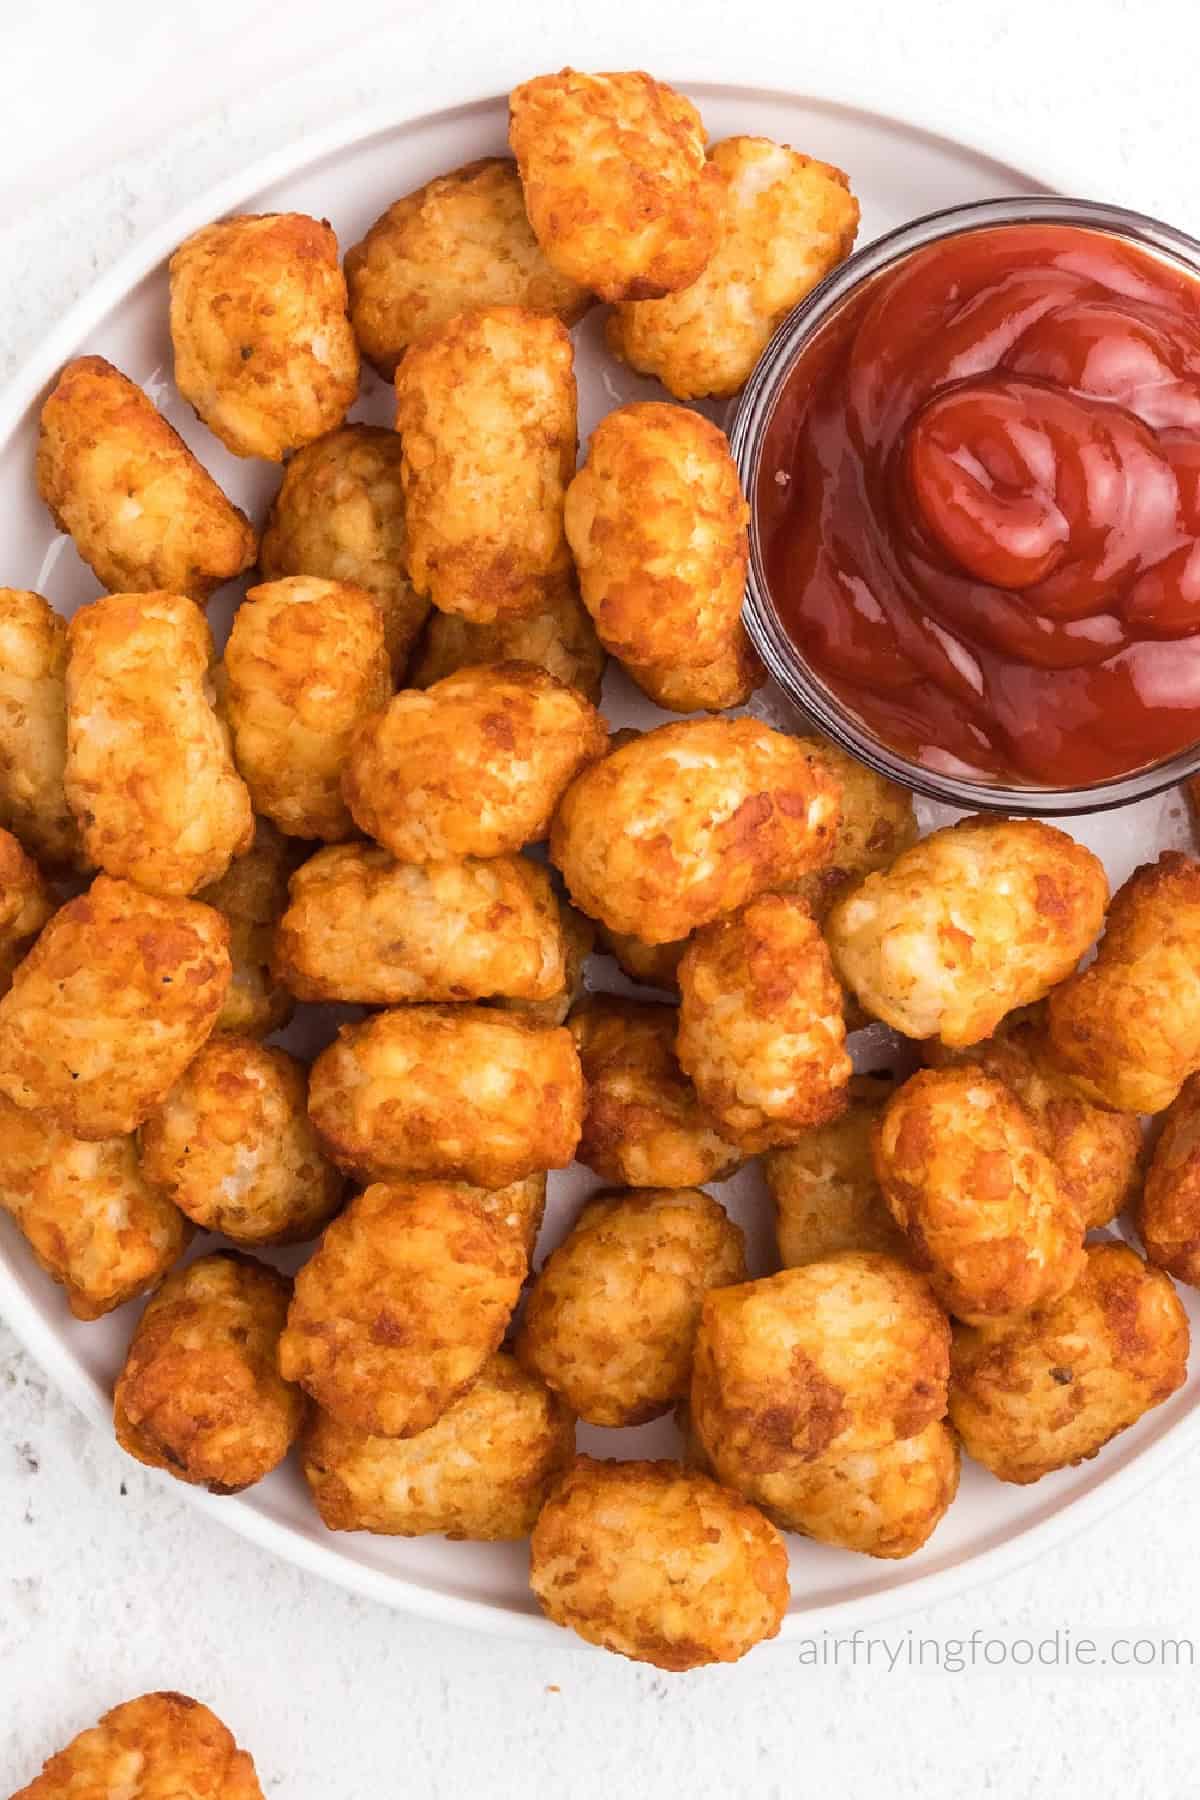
<point>898,172</point>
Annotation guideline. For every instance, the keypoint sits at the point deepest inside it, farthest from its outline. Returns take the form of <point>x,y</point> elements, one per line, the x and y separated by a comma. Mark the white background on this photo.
<point>116,112</point>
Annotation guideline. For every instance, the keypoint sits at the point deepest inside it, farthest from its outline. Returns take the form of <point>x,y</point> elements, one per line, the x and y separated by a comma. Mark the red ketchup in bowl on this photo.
<point>979,505</point>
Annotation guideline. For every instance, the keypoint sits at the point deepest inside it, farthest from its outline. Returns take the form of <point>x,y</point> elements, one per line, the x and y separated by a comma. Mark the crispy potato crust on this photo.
<point>877,823</point>
<point>785,222</point>
<point>1127,1029</point>
<point>150,775</point>
<point>885,1502</point>
<point>1039,1393</point>
<point>473,766</point>
<point>610,1320</point>
<point>263,346</point>
<point>688,822</point>
<point>729,680</point>
<point>1098,1153</point>
<point>93,1222</point>
<point>110,1006</point>
<point>33,729</point>
<point>339,515</point>
<point>452,1093</point>
<point>251,895</point>
<point>305,664</point>
<point>481,1471</point>
<point>823,1187</point>
<point>233,1146</point>
<point>199,1395</point>
<point>160,1747</point>
<point>408,1294</point>
<point>656,520</point>
<point>658,1563</point>
<point>970,1179</point>
<point>974,920</point>
<point>578,941</point>
<point>25,905</point>
<point>845,1354</point>
<point>761,1032</point>
<point>643,1125</point>
<point>654,965</point>
<point>559,638</point>
<point>517,1209</point>
<point>616,184</point>
<point>143,514</point>
<point>485,408</point>
<point>1167,1213</point>
<point>361,926</point>
<point>461,241</point>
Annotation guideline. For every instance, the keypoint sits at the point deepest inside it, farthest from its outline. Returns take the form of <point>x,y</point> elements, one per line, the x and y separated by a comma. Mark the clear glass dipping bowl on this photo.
<point>782,657</point>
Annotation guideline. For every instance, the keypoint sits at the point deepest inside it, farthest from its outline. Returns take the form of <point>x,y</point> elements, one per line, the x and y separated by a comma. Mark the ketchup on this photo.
<point>979,506</point>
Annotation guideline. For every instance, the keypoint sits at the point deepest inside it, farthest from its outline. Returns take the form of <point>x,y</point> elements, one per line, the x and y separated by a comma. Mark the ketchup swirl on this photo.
<point>979,505</point>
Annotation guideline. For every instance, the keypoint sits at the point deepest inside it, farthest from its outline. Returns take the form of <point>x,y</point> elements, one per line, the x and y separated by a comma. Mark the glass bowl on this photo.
<point>748,432</point>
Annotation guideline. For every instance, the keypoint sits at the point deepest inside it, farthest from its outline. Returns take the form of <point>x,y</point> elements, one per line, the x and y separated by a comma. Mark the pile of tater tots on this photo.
<point>394,793</point>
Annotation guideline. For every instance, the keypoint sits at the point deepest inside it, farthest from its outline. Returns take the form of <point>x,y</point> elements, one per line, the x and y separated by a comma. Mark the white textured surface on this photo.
<point>110,1585</point>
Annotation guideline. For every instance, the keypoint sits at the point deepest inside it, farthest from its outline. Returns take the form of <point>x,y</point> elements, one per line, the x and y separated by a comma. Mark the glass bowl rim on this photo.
<point>784,661</point>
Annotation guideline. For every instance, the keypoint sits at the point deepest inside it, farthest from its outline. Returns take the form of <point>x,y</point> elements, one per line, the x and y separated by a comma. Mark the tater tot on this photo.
<point>251,896</point>
<point>233,1146</point>
<point>845,1354</point>
<point>485,408</point>
<point>785,222</point>
<point>461,241</point>
<point>33,729</point>
<point>1098,1153</point>
<point>200,1395</point>
<point>1048,1390</point>
<point>453,1093</point>
<point>578,942</point>
<point>727,681</point>
<point>877,823</point>
<point>658,1563</point>
<point>689,821</point>
<point>611,1317</point>
<point>408,1294</point>
<point>361,926</point>
<point>974,920</point>
<point>969,1176</point>
<point>91,1219</point>
<point>559,638</point>
<point>824,1189</point>
<point>473,766</point>
<point>643,1125</point>
<point>159,1747</point>
<point>517,1209</point>
<point>143,514</point>
<point>339,515</point>
<point>25,905</point>
<point>616,184</point>
<point>110,1006</point>
<point>886,1501</point>
<point>883,1502</point>
<point>761,1032</point>
<point>1167,1213</point>
<point>305,664</point>
<point>1127,1030</point>
<point>150,773</point>
<point>656,521</point>
<point>654,965</point>
<point>481,1471</point>
<point>264,351</point>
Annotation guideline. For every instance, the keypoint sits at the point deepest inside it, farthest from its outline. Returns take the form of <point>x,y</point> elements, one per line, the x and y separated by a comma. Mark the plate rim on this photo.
<point>38,1336</point>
